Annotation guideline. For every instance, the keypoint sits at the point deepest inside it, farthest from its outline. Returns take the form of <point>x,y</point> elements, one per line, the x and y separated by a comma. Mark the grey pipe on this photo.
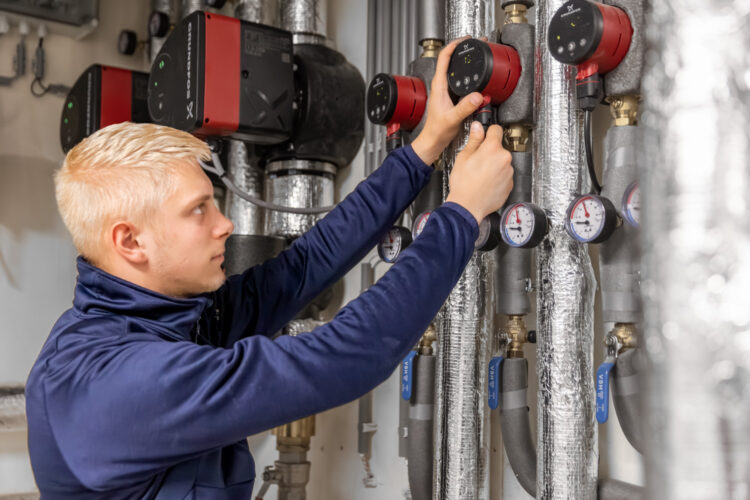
<point>514,418</point>
<point>567,461</point>
<point>308,17</point>
<point>696,273</point>
<point>430,20</point>
<point>247,218</point>
<point>187,7</point>
<point>12,408</point>
<point>612,489</point>
<point>258,11</point>
<point>419,444</point>
<point>513,275</point>
<point>155,43</point>
<point>365,421</point>
<point>395,40</point>
<point>461,414</point>
<point>405,28</point>
<point>619,257</point>
<point>372,43</point>
<point>626,397</point>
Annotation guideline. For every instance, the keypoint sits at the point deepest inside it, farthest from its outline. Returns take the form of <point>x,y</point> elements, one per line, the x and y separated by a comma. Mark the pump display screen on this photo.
<point>381,98</point>
<point>470,67</point>
<point>575,31</point>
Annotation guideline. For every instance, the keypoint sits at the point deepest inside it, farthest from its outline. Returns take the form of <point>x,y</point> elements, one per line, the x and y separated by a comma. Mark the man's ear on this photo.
<point>127,244</point>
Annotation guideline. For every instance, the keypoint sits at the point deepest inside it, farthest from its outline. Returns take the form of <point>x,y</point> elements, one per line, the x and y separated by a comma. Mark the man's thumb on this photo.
<point>476,136</point>
<point>467,106</point>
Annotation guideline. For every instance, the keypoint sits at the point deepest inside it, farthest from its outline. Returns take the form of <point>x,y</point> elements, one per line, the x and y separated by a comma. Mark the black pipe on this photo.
<point>419,444</point>
<point>626,397</point>
<point>514,418</point>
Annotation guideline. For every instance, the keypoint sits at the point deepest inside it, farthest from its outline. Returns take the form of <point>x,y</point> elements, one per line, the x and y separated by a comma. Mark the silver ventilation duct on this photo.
<point>567,458</point>
<point>464,326</point>
<point>258,11</point>
<point>695,180</point>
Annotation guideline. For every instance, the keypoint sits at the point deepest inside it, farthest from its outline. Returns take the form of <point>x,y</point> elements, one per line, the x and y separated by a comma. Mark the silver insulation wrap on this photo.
<point>304,16</point>
<point>297,183</point>
<point>258,11</point>
<point>300,326</point>
<point>567,458</point>
<point>464,326</point>
<point>246,217</point>
<point>695,181</point>
<point>12,408</point>
<point>187,7</point>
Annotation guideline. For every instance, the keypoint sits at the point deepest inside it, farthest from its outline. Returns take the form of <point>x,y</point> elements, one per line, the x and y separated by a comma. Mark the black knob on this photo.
<point>158,24</point>
<point>127,42</point>
<point>531,336</point>
<point>216,4</point>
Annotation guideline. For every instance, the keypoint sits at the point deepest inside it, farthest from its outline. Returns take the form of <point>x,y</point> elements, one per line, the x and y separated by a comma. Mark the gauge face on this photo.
<point>518,225</point>
<point>393,243</point>
<point>586,218</point>
<point>420,223</point>
<point>489,230</point>
<point>631,205</point>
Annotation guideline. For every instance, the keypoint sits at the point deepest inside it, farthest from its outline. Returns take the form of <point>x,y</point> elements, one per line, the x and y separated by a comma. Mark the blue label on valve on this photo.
<point>406,375</point>
<point>493,399</point>
<point>602,391</point>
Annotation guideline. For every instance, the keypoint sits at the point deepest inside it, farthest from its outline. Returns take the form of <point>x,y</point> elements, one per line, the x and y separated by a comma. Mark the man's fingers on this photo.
<point>465,107</point>
<point>476,136</point>
<point>495,133</point>
<point>440,80</point>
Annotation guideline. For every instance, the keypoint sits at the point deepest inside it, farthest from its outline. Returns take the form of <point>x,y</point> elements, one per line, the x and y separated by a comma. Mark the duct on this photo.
<point>567,435</point>
<point>430,20</point>
<point>297,183</point>
<point>695,184</point>
<point>419,444</point>
<point>258,11</point>
<point>155,43</point>
<point>246,217</point>
<point>464,324</point>
<point>187,7</point>
<point>12,408</point>
<point>305,17</point>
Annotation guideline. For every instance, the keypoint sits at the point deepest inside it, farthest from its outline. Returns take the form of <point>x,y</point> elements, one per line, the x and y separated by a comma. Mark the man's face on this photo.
<point>186,240</point>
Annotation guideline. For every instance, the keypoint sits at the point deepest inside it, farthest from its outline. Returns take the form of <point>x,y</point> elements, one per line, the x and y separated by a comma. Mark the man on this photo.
<point>149,384</point>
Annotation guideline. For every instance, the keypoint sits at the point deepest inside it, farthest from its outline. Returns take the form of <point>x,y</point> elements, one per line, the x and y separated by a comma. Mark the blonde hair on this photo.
<point>123,171</point>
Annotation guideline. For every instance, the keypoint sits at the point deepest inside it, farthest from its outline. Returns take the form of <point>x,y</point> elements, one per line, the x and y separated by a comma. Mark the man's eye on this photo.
<point>200,209</point>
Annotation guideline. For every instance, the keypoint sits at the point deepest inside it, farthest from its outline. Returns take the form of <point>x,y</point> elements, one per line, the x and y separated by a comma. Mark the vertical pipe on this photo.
<point>187,7</point>
<point>384,44</point>
<point>305,16</point>
<point>567,434</point>
<point>155,43</point>
<point>258,11</point>
<point>405,28</point>
<point>372,12</point>
<point>696,269</point>
<point>395,41</point>
<point>464,324</point>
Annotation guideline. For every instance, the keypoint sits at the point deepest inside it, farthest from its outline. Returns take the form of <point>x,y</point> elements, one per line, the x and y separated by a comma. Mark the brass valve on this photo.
<point>515,13</point>
<point>431,48</point>
<point>516,137</point>
<point>626,335</point>
<point>295,434</point>
<point>428,338</point>
<point>517,335</point>
<point>624,110</point>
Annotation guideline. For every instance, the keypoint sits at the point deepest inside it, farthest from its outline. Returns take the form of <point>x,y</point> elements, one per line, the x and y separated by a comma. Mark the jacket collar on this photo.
<point>98,292</point>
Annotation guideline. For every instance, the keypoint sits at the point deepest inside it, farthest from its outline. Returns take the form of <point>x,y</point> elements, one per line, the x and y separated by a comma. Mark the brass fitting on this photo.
<point>431,48</point>
<point>516,137</point>
<point>517,335</point>
<point>624,110</point>
<point>625,333</point>
<point>428,338</point>
<point>515,13</point>
<point>295,434</point>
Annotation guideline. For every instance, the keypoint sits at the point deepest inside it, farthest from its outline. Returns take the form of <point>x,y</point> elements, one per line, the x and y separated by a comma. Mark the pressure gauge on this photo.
<point>524,225</point>
<point>489,233</point>
<point>631,205</point>
<point>591,219</point>
<point>419,224</point>
<point>393,243</point>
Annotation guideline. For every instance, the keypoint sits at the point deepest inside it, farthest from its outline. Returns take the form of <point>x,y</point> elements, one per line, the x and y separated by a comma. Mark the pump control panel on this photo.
<point>591,219</point>
<point>491,69</point>
<point>524,225</point>
<point>219,76</point>
<point>102,95</point>
<point>591,35</point>
<point>397,102</point>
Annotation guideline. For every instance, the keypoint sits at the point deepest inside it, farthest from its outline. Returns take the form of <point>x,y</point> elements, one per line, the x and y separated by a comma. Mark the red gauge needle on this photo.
<point>518,219</point>
<point>584,208</point>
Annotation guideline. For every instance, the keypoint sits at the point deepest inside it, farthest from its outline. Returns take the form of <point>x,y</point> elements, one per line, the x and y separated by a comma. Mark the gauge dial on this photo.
<point>419,224</point>
<point>393,243</point>
<point>591,219</point>
<point>631,205</point>
<point>524,225</point>
<point>489,233</point>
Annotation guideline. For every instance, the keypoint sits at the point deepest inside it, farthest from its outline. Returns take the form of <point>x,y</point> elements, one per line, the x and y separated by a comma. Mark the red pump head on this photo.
<point>397,102</point>
<point>492,69</point>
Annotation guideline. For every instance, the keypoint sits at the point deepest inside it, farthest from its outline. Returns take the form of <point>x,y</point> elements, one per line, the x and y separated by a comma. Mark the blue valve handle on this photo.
<point>602,390</point>
<point>493,398</point>
<point>407,372</point>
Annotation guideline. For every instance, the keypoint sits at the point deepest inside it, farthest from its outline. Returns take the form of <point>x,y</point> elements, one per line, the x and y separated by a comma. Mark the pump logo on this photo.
<point>571,10</point>
<point>189,72</point>
<point>466,48</point>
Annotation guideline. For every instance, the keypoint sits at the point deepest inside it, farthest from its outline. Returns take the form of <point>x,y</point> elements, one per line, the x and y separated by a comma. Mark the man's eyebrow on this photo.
<point>199,199</point>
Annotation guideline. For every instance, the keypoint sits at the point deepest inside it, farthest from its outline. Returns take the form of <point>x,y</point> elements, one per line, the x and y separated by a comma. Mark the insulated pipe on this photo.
<point>187,7</point>
<point>567,458</point>
<point>258,11</point>
<point>695,183</point>
<point>514,419</point>
<point>419,444</point>
<point>612,489</point>
<point>430,20</point>
<point>461,414</point>
<point>305,17</point>
<point>12,408</point>
<point>626,397</point>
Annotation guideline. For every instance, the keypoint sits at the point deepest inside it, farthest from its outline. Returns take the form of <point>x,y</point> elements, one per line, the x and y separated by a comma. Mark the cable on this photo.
<point>588,140</point>
<point>219,171</point>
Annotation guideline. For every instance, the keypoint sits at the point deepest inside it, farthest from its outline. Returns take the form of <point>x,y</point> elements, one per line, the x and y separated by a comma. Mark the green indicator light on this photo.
<point>161,64</point>
<point>156,84</point>
<point>70,105</point>
<point>65,121</point>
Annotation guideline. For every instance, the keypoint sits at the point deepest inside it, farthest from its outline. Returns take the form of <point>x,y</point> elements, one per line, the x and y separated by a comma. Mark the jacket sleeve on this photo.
<point>266,297</point>
<point>139,407</point>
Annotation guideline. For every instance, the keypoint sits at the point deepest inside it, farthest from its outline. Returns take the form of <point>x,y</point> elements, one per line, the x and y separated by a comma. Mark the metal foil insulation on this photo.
<point>187,7</point>
<point>695,183</point>
<point>12,408</point>
<point>246,217</point>
<point>513,276</point>
<point>304,16</point>
<point>567,458</point>
<point>619,256</point>
<point>463,329</point>
<point>430,20</point>
<point>258,11</point>
<point>300,326</point>
<point>297,183</point>
<point>156,43</point>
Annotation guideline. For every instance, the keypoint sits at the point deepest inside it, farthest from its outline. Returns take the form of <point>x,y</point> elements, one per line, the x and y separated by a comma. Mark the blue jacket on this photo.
<point>133,387</point>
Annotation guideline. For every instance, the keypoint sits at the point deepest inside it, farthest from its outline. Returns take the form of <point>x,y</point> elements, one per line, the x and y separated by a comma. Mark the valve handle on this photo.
<point>493,398</point>
<point>602,389</point>
<point>407,375</point>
